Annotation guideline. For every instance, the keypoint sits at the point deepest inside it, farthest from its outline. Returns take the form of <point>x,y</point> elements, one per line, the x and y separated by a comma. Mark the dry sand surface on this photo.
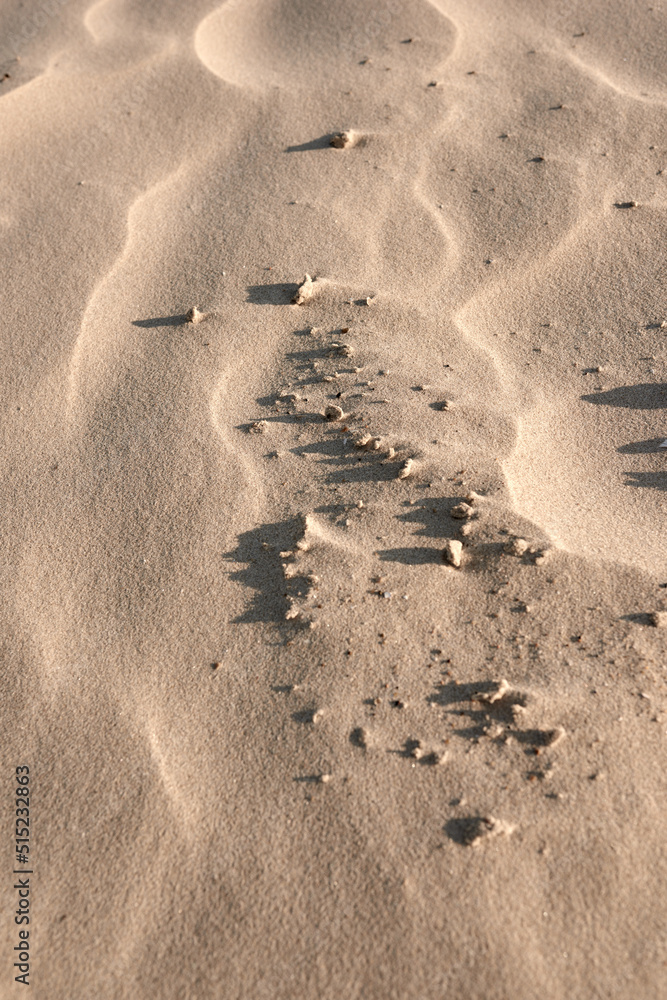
<point>334,551</point>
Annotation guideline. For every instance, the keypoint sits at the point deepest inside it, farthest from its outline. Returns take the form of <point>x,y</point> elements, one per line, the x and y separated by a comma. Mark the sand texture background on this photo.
<point>280,747</point>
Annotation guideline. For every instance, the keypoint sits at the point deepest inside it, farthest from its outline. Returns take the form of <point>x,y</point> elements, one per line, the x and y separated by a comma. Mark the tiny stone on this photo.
<point>452,552</point>
<point>304,291</point>
<point>333,413</point>
<point>494,731</point>
<point>342,140</point>
<point>493,696</point>
<point>480,828</point>
<point>555,736</point>
<point>517,547</point>
<point>344,350</point>
<point>195,316</point>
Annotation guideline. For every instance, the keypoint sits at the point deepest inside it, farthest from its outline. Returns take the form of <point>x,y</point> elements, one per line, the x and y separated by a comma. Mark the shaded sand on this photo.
<point>332,631</point>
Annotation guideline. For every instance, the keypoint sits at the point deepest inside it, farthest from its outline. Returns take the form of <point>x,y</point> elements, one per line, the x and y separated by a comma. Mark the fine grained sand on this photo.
<point>282,746</point>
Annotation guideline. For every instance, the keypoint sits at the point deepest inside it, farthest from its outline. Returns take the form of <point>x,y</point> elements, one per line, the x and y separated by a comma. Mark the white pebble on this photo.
<point>333,413</point>
<point>195,316</point>
<point>343,140</point>
<point>304,291</point>
<point>453,552</point>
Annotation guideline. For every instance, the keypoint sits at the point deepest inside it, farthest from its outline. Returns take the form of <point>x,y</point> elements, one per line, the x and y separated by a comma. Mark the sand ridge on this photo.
<point>333,628</point>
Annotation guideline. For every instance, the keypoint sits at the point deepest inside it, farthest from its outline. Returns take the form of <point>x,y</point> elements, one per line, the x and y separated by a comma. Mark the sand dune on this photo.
<point>331,632</point>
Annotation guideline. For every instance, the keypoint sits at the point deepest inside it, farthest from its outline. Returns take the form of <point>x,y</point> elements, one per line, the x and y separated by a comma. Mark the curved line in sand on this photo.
<point>509,284</point>
<point>216,406</point>
<point>22,87</point>
<point>523,273</point>
<point>458,30</point>
<point>506,375</point>
<point>527,406</point>
<point>200,42</point>
<point>180,802</point>
<point>83,341</point>
<point>89,19</point>
<point>599,76</point>
<point>439,220</point>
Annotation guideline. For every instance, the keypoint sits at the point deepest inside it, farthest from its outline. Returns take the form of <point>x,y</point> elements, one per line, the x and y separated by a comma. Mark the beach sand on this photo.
<point>334,549</point>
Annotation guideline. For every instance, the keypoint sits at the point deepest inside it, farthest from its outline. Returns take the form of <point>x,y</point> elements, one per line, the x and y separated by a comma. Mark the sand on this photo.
<point>281,746</point>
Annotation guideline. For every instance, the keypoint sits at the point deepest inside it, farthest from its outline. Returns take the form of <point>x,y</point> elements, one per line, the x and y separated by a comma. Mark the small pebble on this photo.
<point>461,511</point>
<point>304,291</point>
<point>554,736</point>
<point>517,546</point>
<point>343,140</point>
<point>195,316</point>
<point>453,552</point>
<point>480,828</point>
<point>491,697</point>
<point>343,350</point>
<point>333,413</point>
